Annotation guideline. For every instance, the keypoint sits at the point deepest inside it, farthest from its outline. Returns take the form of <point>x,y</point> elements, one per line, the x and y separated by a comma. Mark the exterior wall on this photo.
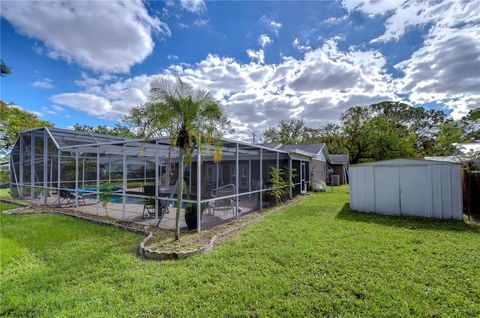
<point>421,189</point>
<point>318,170</point>
<point>339,170</point>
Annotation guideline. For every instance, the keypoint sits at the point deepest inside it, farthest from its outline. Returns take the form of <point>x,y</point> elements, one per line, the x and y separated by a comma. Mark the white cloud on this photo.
<point>271,23</point>
<point>301,47</point>
<point>104,36</point>
<point>372,7</point>
<point>87,103</point>
<point>406,14</point>
<point>194,6</point>
<point>445,70</point>
<point>172,57</point>
<point>256,56</point>
<point>45,83</point>
<point>321,85</point>
<point>264,40</point>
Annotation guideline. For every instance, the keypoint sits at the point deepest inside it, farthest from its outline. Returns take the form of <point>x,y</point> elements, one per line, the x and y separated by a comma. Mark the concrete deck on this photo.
<point>133,212</point>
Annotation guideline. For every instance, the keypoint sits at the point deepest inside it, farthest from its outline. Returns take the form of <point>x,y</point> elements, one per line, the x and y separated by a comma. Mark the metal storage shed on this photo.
<point>407,187</point>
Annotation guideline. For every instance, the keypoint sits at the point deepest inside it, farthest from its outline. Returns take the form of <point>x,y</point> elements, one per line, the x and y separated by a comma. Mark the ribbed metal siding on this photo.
<point>407,187</point>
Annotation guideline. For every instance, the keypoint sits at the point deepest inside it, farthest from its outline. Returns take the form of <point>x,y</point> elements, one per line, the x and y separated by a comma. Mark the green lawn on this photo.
<point>5,192</point>
<point>314,259</point>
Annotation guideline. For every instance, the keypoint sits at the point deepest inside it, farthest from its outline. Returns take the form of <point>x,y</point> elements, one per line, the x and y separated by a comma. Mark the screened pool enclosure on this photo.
<point>136,180</point>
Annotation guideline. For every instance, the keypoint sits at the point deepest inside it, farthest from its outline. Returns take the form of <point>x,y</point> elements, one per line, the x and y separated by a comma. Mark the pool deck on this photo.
<point>133,212</point>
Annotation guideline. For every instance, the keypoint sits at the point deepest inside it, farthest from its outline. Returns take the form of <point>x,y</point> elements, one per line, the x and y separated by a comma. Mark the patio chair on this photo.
<point>69,198</point>
<point>149,204</point>
<point>225,204</point>
<point>149,208</point>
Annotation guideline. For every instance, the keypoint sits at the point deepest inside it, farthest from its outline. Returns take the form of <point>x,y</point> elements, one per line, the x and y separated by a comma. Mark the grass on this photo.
<point>314,259</point>
<point>5,193</point>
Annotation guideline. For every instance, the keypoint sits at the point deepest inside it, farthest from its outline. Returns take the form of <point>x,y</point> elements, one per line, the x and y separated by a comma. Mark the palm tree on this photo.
<point>189,117</point>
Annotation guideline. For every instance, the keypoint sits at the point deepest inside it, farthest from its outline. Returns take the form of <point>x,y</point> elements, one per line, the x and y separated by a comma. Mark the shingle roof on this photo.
<point>312,148</point>
<point>339,159</point>
<point>271,145</point>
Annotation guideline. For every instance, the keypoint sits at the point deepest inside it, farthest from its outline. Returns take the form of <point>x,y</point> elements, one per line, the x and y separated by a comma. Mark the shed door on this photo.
<point>414,191</point>
<point>387,190</point>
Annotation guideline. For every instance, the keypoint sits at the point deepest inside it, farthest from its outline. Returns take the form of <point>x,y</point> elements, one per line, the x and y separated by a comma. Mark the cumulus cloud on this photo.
<point>257,56</point>
<point>404,14</point>
<point>445,69</point>
<point>45,83</point>
<point>84,102</point>
<point>264,40</point>
<point>318,87</point>
<point>104,36</point>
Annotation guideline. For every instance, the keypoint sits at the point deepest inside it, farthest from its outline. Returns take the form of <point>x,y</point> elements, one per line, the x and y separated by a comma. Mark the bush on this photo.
<point>4,176</point>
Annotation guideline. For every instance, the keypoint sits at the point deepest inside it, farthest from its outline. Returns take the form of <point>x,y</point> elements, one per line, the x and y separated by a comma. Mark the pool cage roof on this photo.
<point>65,139</point>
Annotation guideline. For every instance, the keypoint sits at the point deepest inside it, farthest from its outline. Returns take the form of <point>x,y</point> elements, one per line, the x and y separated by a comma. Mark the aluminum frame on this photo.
<point>117,146</point>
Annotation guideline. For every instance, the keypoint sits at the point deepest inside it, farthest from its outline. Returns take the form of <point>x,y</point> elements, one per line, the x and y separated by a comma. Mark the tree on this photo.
<point>418,120</point>
<point>357,137</point>
<point>332,135</point>
<point>189,117</point>
<point>449,133</point>
<point>388,140</point>
<point>4,69</point>
<point>471,125</point>
<point>120,130</point>
<point>292,131</point>
<point>13,121</point>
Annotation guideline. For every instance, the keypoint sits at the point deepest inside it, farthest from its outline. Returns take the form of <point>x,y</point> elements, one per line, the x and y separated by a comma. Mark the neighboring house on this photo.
<point>317,152</point>
<point>466,149</point>
<point>339,165</point>
<point>464,153</point>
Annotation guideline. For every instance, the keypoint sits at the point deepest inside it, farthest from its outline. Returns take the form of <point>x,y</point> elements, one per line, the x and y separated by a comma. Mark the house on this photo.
<point>339,165</point>
<point>465,152</point>
<point>466,149</point>
<point>316,152</point>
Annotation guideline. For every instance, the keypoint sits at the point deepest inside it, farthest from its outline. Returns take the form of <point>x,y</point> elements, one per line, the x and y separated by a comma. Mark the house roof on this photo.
<point>339,159</point>
<point>272,145</point>
<point>310,148</point>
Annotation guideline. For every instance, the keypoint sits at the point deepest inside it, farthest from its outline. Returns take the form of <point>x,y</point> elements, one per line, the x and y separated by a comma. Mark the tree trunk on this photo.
<point>179,195</point>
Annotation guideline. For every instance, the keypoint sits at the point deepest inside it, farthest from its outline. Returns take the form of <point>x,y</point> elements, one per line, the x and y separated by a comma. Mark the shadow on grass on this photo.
<point>408,222</point>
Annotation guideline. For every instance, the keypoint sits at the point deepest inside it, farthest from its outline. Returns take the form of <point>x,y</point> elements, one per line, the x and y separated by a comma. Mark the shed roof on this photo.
<point>339,159</point>
<point>404,162</point>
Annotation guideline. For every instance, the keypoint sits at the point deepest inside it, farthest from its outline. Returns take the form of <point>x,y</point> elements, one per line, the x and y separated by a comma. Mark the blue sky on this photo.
<point>90,62</point>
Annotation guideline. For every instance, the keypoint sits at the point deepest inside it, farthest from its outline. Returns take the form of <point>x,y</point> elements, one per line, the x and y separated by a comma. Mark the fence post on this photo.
<point>21,166</point>
<point>237,177</point>
<point>45,167</point>
<point>199,188</point>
